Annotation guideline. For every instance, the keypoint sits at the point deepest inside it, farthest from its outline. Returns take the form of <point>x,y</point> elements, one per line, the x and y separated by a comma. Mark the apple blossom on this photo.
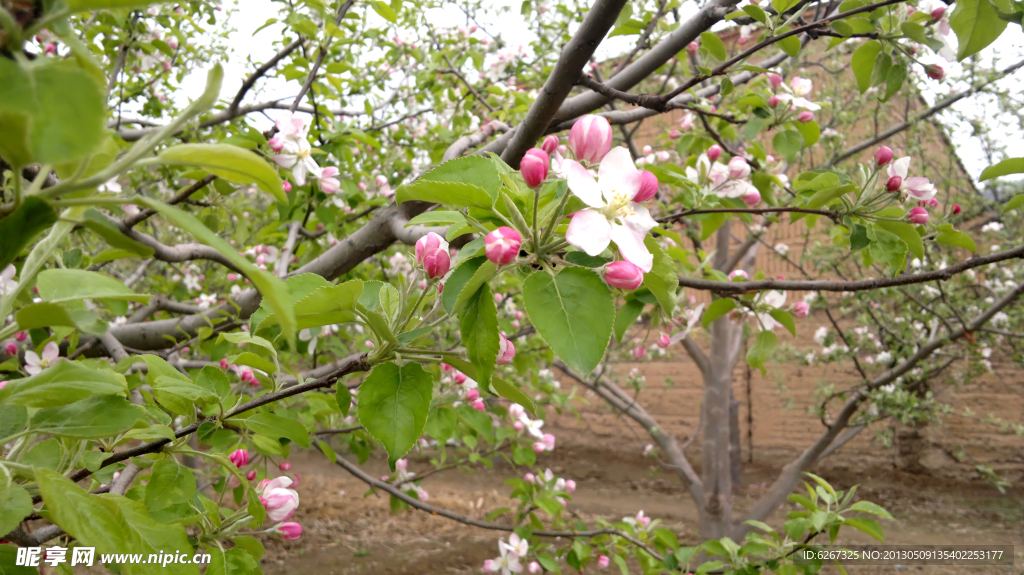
<point>752,197</point>
<point>534,166</point>
<point>773,299</point>
<point>289,531</point>
<point>533,567</point>
<point>529,478</point>
<point>7,284</point>
<point>329,183</point>
<point>956,209</point>
<point>280,501</point>
<point>460,378</point>
<point>648,187</point>
<point>515,410</point>
<point>251,475</point>
<point>239,457</point>
<point>738,274</point>
<point>10,348</point>
<point>34,364</point>
<point>664,340</point>
<point>287,187</point>
<point>738,168</point>
<point>478,405</point>
<point>472,395</point>
<point>507,563</point>
<point>21,336</point>
<point>432,253</point>
<point>918,187</point>
<point>934,71</point>
<point>570,486</point>
<point>674,134</point>
<point>639,351</point>
<point>918,216</point>
<point>773,101</point>
<point>714,152</point>
<point>612,215</point>
<point>623,275</point>
<point>603,561</point>
<point>883,155</point>
<point>686,122</point>
<point>550,144</point>
<point>516,545</point>
<point>296,153</point>
<point>692,48</point>
<point>801,309</point>
<point>285,466</point>
<point>805,116</point>
<point>590,138</point>
<point>894,183</point>
<point>502,245</point>
<point>506,350</point>
<point>533,426</point>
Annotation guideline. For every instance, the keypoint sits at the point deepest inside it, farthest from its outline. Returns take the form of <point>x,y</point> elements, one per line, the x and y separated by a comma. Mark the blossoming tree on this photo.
<point>187,299</point>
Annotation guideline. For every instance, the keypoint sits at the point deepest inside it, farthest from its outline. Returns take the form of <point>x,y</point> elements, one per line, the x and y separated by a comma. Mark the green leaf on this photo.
<point>906,232</point>
<point>393,406</point>
<point>785,318</point>
<point>169,483</point>
<point>823,197</point>
<point>9,562</point>
<point>327,305</point>
<point>976,24</point>
<point>39,122</point>
<point>790,44</point>
<point>957,239</point>
<point>475,170</point>
<point>458,280</point>
<point>662,279</point>
<point>810,131</point>
<point>384,11</point>
<point>890,249</point>
<point>104,228</point>
<point>762,349</point>
<point>441,423</point>
<point>574,312</point>
<point>379,325</point>
<point>344,398</point>
<point>478,322</point>
<point>782,5</point>
<point>91,418</point>
<point>43,315</point>
<point>482,275</point>
<point>179,395</point>
<point>59,285</point>
<point>62,383</point>
<point>277,426</point>
<point>1014,203</point>
<point>756,13</point>
<point>717,309</point>
<point>713,44</point>
<point>19,228</point>
<point>250,359</point>
<point>512,393</point>
<point>627,316</point>
<point>1004,168</point>
<point>234,164</point>
<point>869,526</point>
<point>788,143</point>
<point>299,287</point>
<point>451,194</point>
<point>438,218</point>
<point>863,63</point>
<point>15,505</point>
<point>894,80</point>
<point>273,290</point>
<point>93,5</point>
<point>13,419</point>
<point>872,508</point>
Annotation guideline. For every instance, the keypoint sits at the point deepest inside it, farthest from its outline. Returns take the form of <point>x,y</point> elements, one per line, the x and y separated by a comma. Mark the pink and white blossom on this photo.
<point>506,350</point>
<point>919,188</point>
<point>613,216</point>
<point>34,364</point>
<point>590,138</point>
<point>7,284</point>
<point>502,245</point>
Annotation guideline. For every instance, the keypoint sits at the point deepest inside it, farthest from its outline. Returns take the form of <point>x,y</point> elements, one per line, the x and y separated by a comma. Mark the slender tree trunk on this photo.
<point>735,445</point>
<point>716,468</point>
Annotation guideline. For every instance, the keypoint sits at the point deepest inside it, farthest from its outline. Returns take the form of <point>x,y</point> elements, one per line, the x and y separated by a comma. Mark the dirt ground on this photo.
<point>348,531</point>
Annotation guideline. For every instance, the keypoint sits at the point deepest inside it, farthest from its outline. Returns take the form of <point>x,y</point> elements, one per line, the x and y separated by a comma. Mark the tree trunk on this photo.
<point>735,445</point>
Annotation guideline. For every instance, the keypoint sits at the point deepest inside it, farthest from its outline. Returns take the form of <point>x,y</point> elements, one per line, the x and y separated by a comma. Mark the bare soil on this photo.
<point>350,531</point>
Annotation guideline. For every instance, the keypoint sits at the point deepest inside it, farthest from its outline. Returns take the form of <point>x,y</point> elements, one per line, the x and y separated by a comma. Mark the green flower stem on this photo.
<point>555,218</point>
<point>419,300</point>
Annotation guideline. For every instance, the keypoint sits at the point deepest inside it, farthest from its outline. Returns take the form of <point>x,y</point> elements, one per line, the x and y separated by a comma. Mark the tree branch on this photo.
<point>260,72</point>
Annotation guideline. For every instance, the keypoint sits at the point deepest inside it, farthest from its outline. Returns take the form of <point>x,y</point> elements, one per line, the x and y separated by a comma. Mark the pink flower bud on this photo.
<point>590,138</point>
<point>550,144</point>
<point>648,187</point>
<point>223,363</point>
<point>623,275</point>
<point>369,344</point>
<point>361,186</point>
<point>276,143</point>
<point>738,274</point>
<point>287,187</point>
<point>239,457</point>
<point>883,155</point>
<point>938,13</point>
<point>289,531</point>
<point>773,101</point>
<point>752,198</point>
<point>533,567</point>
<point>664,340</point>
<point>518,426</point>
<point>603,561</point>
<point>910,10</point>
<point>738,168</point>
<point>529,478</point>
<point>478,405</point>
<point>639,352</point>
<point>956,209</point>
<point>251,475</point>
<point>432,254</point>
<point>714,152</point>
<point>692,48</point>
<point>930,203</point>
<point>460,378</point>
<point>506,351</point>
<point>502,245</point>
<point>21,336</point>
<point>775,80</point>
<point>935,72</point>
<point>519,314</point>
<point>805,116</point>
<point>918,216</point>
<point>11,348</point>
<point>894,183</point>
<point>570,486</point>
<point>173,43</point>
<point>472,395</point>
<point>538,447</point>
<point>548,441</point>
<point>801,309</point>
<point>285,466</point>
<point>534,166</point>
<point>674,134</point>
<point>647,150</point>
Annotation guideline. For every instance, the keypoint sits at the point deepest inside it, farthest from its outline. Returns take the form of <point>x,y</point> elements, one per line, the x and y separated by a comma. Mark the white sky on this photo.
<point>513,28</point>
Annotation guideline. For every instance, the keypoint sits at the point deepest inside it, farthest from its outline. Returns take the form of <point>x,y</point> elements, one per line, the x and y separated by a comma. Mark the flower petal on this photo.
<point>631,244</point>
<point>618,174</point>
<point>900,167</point>
<point>582,184</point>
<point>589,231</point>
<point>51,352</point>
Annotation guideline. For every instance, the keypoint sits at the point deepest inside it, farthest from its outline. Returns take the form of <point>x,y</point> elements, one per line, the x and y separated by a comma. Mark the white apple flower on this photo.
<point>516,546</point>
<point>532,426</point>
<point>35,364</point>
<point>7,284</point>
<point>206,300</point>
<point>773,299</point>
<point>920,188</point>
<point>612,215</point>
<point>797,89</point>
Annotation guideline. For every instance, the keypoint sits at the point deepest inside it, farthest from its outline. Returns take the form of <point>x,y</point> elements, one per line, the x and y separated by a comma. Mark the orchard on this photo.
<point>396,243</point>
